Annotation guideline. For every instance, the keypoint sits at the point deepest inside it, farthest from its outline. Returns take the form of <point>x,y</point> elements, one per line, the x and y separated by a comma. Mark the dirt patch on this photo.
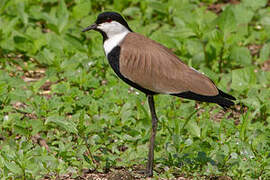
<point>234,113</point>
<point>33,76</point>
<point>120,175</point>
<point>266,65</point>
<point>254,49</point>
<point>124,174</point>
<point>38,140</point>
<point>217,7</point>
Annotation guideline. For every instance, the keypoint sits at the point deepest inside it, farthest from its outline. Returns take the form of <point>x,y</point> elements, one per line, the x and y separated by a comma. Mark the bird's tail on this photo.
<point>223,99</point>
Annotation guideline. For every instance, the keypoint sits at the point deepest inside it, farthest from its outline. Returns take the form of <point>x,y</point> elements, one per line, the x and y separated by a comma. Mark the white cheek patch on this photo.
<point>110,27</point>
<point>115,32</point>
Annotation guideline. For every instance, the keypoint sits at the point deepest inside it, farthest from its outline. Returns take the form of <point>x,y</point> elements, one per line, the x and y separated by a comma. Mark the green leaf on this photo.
<point>119,4</point>
<point>132,11</point>
<point>86,158</point>
<point>243,15</point>
<point>227,21</point>
<point>126,112</point>
<point>81,9</point>
<point>22,43</point>
<point>254,4</point>
<point>252,99</point>
<point>194,129</point>
<point>265,52</point>
<point>13,167</point>
<point>265,19</point>
<point>243,78</point>
<point>3,4</point>
<point>55,81</point>
<point>69,126</point>
<point>194,46</point>
<point>21,11</point>
<point>62,15</point>
<point>244,126</point>
<point>241,55</point>
<point>37,126</point>
<point>158,6</point>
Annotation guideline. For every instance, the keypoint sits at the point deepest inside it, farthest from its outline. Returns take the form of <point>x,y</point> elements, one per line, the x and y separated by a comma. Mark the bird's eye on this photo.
<point>108,20</point>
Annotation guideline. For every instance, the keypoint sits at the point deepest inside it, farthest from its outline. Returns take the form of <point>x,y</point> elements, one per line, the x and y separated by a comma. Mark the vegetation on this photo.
<point>61,105</point>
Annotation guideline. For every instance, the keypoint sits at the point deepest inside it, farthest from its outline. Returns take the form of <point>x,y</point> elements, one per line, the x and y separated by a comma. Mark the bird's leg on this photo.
<point>153,135</point>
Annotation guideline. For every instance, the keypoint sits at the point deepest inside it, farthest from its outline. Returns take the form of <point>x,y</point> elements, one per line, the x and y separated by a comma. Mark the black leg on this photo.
<point>153,135</point>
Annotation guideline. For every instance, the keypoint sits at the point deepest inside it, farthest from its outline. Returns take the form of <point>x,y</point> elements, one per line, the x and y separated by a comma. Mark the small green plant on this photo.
<point>63,110</point>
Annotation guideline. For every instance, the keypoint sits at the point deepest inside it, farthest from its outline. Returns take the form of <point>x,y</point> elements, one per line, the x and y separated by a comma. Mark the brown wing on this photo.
<point>156,68</point>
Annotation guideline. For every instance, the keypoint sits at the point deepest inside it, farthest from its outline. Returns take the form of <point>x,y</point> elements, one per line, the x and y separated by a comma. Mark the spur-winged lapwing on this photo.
<point>153,69</point>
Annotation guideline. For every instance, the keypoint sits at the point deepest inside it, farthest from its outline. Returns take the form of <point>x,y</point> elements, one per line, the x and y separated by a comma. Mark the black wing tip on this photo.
<point>222,99</point>
<point>225,103</point>
<point>225,95</point>
<point>225,100</point>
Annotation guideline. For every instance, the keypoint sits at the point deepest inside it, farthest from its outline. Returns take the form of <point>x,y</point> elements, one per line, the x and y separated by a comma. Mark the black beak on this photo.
<point>91,27</point>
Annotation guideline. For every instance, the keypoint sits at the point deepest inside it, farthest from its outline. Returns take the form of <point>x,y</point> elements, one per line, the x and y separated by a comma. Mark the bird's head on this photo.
<point>109,24</point>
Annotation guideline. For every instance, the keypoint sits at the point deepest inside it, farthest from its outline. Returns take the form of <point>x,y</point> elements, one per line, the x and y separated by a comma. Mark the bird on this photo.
<point>153,69</point>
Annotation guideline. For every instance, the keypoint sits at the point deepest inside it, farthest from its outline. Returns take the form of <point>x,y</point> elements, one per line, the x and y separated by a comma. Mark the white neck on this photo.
<point>115,32</point>
<point>113,41</point>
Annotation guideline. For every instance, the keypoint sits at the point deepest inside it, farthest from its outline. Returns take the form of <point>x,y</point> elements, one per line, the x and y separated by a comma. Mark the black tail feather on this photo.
<point>223,94</point>
<point>223,102</point>
<point>222,99</point>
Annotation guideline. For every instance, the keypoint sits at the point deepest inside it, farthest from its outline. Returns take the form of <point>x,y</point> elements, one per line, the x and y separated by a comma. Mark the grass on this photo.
<point>61,104</point>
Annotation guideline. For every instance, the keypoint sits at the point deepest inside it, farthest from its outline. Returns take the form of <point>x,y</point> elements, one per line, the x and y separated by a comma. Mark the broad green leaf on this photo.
<point>37,38</point>
<point>46,57</point>
<point>252,99</point>
<point>209,73</point>
<point>158,6</point>
<point>3,4</point>
<point>179,22</point>
<point>132,11</point>
<point>13,167</point>
<point>241,55</point>
<point>194,46</point>
<point>227,21</point>
<point>162,36</point>
<point>81,9</point>
<point>62,122</point>
<point>265,52</point>
<point>73,43</point>
<point>254,4</point>
<point>56,87</point>
<point>120,4</point>
<point>242,79</point>
<point>194,129</point>
<point>243,15</point>
<point>22,43</point>
<point>37,126</point>
<point>55,42</point>
<point>63,15</point>
<point>126,112</point>
<point>21,11</point>
<point>265,20</point>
